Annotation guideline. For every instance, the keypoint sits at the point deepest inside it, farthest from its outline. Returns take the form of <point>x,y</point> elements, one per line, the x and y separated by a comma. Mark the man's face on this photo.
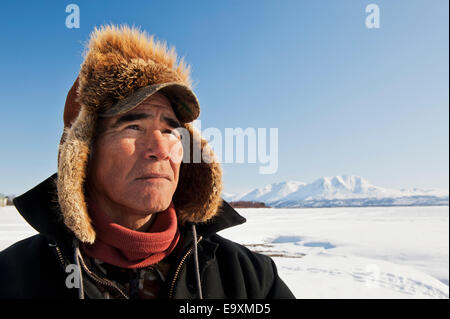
<point>136,158</point>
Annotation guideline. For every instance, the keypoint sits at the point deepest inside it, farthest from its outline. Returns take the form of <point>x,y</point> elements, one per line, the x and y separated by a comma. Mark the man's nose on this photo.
<point>156,147</point>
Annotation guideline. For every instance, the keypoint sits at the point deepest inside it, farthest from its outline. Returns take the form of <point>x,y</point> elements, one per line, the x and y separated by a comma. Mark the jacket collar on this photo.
<point>39,207</point>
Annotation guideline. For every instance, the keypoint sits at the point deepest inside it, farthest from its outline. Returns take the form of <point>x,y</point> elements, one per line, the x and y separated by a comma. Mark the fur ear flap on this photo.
<point>197,197</point>
<point>72,167</point>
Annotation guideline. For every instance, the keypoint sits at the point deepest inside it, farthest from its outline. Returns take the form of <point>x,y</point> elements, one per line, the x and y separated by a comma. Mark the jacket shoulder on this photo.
<point>27,269</point>
<point>232,248</point>
<point>256,272</point>
<point>20,252</point>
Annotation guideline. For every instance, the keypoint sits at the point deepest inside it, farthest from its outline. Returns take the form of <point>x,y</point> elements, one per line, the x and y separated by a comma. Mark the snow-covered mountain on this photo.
<point>345,190</point>
<point>270,193</point>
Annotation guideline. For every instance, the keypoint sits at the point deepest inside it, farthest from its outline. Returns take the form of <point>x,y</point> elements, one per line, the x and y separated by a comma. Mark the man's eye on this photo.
<point>174,133</point>
<point>132,127</point>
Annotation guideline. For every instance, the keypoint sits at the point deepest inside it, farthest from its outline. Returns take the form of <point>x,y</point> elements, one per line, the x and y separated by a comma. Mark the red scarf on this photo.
<point>126,248</point>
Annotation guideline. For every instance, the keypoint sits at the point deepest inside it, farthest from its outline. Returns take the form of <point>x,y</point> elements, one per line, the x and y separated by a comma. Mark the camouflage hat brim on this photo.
<point>181,97</point>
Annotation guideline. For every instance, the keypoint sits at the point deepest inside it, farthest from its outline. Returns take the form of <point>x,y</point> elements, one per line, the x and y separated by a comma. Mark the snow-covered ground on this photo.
<point>13,227</point>
<point>385,252</point>
<point>358,252</point>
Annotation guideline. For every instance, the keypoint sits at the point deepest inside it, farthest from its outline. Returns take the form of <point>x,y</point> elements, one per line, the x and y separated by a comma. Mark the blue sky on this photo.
<point>345,99</point>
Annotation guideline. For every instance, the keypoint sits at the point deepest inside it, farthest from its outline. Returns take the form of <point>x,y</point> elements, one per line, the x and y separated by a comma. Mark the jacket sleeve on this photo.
<point>28,269</point>
<point>278,290</point>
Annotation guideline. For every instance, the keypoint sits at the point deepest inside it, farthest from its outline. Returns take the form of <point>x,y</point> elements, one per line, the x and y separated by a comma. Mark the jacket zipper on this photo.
<point>172,286</point>
<point>108,283</point>
<point>61,259</point>
<point>102,281</point>
<point>94,277</point>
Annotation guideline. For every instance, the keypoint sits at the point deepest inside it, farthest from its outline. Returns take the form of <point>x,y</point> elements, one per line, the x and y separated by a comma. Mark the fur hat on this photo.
<point>119,63</point>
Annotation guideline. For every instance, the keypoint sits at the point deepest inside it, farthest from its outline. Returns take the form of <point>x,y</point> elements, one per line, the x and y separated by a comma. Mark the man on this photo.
<point>130,213</point>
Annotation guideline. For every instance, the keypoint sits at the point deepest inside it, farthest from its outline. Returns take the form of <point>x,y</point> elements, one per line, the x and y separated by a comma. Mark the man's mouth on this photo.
<point>154,176</point>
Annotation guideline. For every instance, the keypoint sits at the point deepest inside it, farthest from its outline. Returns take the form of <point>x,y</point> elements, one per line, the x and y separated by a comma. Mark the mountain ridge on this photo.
<point>337,191</point>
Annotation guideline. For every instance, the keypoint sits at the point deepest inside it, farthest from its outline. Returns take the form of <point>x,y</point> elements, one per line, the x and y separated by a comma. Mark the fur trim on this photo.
<point>72,165</point>
<point>119,61</point>
<point>198,194</point>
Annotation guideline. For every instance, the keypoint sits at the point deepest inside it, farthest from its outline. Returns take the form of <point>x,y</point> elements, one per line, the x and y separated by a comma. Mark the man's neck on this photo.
<point>123,216</point>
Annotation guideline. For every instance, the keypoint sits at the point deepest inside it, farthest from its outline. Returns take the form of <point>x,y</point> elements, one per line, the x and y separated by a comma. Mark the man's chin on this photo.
<point>152,204</point>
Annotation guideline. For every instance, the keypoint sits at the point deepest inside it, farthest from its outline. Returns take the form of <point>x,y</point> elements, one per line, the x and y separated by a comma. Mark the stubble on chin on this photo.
<point>150,199</point>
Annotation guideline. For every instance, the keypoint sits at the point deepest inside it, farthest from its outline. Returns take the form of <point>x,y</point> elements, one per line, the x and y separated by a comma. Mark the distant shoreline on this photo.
<point>308,207</point>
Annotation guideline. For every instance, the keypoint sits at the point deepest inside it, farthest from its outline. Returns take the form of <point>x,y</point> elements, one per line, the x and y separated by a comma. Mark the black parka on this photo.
<point>36,267</point>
